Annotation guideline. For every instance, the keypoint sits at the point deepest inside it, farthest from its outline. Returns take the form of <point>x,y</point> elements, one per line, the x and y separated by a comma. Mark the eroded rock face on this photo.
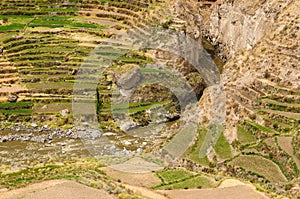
<point>187,18</point>
<point>270,69</point>
<point>130,79</point>
<point>240,25</point>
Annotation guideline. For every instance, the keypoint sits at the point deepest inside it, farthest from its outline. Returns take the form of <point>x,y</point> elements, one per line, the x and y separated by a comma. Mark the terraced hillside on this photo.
<point>43,45</point>
<point>46,45</point>
<point>262,106</point>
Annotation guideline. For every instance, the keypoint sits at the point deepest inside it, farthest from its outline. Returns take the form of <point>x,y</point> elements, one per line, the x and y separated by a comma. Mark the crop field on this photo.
<point>260,165</point>
<point>182,179</point>
<point>244,136</point>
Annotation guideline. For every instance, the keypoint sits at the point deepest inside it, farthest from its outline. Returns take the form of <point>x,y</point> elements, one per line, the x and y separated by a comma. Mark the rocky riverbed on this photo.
<point>24,146</point>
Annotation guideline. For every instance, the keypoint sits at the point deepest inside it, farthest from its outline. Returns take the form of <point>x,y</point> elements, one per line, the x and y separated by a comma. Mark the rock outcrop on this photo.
<point>241,24</point>
<point>12,98</point>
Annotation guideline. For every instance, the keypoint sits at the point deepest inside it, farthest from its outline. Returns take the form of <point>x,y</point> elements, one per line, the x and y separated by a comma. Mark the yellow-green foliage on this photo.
<point>261,166</point>
<point>222,147</point>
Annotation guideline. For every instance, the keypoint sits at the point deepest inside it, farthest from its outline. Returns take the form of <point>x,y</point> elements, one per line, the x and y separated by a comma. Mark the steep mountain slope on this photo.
<point>261,81</point>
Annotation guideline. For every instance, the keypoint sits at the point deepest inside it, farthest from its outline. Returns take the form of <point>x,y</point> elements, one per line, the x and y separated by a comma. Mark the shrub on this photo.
<point>5,20</point>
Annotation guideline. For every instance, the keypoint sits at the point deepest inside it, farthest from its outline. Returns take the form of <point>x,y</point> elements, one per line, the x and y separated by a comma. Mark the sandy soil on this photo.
<point>64,189</point>
<point>136,165</point>
<point>146,192</point>
<point>229,189</point>
<point>139,179</point>
<point>12,88</point>
<point>58,189</point>
<point>270,142</point>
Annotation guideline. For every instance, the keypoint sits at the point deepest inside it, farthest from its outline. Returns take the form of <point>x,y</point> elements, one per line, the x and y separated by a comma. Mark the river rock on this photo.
<point>34,125</point>
<point>109,134</point>
<point>64,112</point>
<point>128,125</point>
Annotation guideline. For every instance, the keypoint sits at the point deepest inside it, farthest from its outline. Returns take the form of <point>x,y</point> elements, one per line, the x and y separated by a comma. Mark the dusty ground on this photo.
<point>58,189</point>
<point>137,165</point>
<point>139,179</point>
<point>229,189</point>
<point>64,189</point>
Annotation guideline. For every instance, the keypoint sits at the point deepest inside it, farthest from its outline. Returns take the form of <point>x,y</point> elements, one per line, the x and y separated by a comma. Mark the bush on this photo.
<point>167,24</point>
<point>5,20</point>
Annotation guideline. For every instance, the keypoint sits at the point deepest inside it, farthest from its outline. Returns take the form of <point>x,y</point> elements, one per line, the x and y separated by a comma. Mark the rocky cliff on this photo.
<point>240,24</point>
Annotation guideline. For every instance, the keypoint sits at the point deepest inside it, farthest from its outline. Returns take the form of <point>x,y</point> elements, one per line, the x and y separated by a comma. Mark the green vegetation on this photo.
<point>11,27</point>
<point>183,179</point>
<point>47,59</point>
<point>61,21</point>
<point>14,111</point>
<point>84,173</point>
<point>194,152</point>
<point>15,105</point>
<point>259,127</point>
<point>133,107</point>
<point>222,147</point>
<point>244,136</point>
<point>174,175</point>
<point>191,183</point>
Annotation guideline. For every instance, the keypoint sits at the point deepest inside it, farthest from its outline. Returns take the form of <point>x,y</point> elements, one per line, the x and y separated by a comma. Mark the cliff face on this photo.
<point>270,70</point>
<point>241,24</point>
<point>188,18</point>
<point>261,40</point>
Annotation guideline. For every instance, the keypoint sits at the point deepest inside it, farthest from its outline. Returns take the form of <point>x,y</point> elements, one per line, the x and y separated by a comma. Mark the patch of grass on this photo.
<point>49,85</point>
<point>194,151</point>
<point>12,110</point>
<point>10,105</point>
<point>259,127</point>
<point>61,21</point>
<point>20,19</point>
<point>222,147</point>
<point>83,172</point>
<point>14,26</point>
<point>192,183</point>
<point>17,111</point>
<point>244,136</point>
<point>134,60</point>
<point>171,176</point>
<point>133,107</point>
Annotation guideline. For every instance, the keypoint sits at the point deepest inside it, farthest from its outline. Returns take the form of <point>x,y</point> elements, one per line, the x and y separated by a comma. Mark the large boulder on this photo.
<point>12,98</point>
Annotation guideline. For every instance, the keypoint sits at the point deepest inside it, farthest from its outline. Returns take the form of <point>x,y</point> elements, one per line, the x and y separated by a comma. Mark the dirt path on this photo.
<point>58,189</point>
<point>146,192</point>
